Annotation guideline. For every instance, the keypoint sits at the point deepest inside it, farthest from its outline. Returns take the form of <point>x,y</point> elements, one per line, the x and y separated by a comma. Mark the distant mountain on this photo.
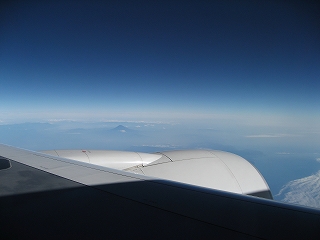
<point>121,129</point>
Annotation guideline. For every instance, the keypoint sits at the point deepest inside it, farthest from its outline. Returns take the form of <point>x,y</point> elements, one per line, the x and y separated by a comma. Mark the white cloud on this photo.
<point>161,146</point>
<point>62,120</point>
<point>277,135</point>
<point>303,191</point>
<point>263,136</point>
<point>318,159</point>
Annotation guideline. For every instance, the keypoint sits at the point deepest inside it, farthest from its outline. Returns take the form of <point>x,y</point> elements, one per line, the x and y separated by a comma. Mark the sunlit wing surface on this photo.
<point>43,196</point>
<point>206,168</point>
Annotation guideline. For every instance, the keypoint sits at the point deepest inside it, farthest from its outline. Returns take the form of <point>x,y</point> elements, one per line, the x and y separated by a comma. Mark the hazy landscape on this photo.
<point>291,169</point>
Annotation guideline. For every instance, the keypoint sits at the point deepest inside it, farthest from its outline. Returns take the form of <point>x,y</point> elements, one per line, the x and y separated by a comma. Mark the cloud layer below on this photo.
<point>303,191</point>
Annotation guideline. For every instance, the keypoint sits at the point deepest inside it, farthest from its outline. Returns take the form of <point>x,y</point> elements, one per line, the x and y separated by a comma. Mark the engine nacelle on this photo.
<point>206,168</point>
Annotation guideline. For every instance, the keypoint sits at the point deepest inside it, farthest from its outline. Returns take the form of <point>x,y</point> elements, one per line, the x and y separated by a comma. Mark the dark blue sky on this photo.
<point>155,58</point>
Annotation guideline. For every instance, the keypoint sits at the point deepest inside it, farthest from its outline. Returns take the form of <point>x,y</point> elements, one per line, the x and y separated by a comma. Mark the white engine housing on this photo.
<point>206,168</point>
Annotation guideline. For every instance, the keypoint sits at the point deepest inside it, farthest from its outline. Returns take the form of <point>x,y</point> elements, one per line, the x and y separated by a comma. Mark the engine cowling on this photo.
<point>206,168</point>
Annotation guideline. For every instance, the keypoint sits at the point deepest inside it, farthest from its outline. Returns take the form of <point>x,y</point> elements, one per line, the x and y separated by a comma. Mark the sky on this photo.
<point>239,76</point>
<point>159,59</point>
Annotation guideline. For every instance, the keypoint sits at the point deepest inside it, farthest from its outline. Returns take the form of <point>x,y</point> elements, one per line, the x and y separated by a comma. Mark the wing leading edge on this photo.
<point>46,196</point>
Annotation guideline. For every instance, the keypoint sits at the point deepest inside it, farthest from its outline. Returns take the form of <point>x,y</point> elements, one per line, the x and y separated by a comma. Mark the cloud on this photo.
<point>263,136</point>
<point>62,120</point>
<point>303,191</point>
<point>277,135</point>
<point>161,146</point>
<point>147,123</point>
<point>318,159</point>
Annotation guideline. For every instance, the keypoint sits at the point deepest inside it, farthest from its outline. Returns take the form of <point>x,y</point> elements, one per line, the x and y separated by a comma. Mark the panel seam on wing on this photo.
<point>228,170</point>
<point>166,156</point>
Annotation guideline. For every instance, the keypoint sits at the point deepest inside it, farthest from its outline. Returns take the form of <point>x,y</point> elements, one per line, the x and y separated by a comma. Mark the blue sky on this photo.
<point>159,59</point>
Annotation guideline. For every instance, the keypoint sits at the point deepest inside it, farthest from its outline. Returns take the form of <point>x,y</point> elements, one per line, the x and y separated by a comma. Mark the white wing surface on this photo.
<point>205,168</point>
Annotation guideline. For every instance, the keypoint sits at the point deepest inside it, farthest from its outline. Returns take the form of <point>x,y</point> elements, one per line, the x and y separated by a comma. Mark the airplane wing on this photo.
<point>43,196</point>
